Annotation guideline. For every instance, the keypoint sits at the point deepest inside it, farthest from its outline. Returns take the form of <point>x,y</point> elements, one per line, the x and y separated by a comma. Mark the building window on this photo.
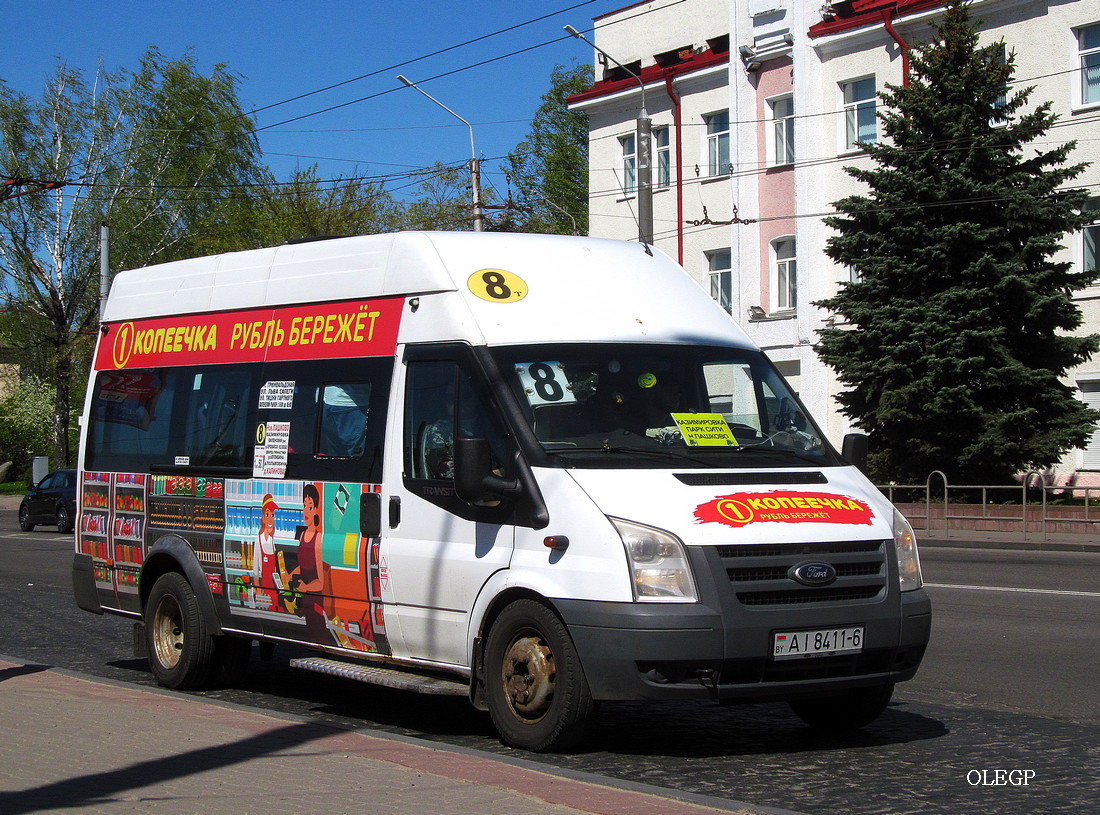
<point>782,111</point>
<point>720,266</point>
<point>784,275</point>
<point>718,143</point>
<point>999,60</point>
<point>663,155</point>
<point>1090,454</point>
<point>1088,46</point>
<point>1090,237</point>
<point>859,112</point>
<point>630,164</point>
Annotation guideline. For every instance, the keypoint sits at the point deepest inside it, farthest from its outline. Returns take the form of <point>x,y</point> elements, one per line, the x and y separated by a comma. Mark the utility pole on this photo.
<point>475,166</point>
<point>644,132</point>
<point>104,266</point>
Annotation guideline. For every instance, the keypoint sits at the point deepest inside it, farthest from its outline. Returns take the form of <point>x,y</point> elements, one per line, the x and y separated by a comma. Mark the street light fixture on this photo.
<point>475,169</point>
<point>645,131</point>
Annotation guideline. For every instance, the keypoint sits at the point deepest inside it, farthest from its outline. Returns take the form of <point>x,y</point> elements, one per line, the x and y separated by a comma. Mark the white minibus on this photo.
<point>539,471</point>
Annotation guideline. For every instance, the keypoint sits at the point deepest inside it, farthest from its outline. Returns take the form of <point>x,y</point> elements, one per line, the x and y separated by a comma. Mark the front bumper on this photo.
<point>719,648</point>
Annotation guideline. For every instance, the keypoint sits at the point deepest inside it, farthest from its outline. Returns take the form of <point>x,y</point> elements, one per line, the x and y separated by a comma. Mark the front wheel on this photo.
<point>25,519</point>
<point>536,690</point>
<point>847,711</point>
<point>64,520</point>
<point>182,653</point>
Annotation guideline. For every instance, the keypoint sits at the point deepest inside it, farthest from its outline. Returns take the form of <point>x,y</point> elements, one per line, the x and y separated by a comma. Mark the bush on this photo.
<point>25,424</point>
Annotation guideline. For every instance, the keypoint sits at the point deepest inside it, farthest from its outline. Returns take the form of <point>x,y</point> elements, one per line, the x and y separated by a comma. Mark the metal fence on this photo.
<point>1033,508</point>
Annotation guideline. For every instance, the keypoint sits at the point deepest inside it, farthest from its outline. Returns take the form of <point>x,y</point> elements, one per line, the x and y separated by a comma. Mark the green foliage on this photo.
<point>442,202</point>
<point>165,155</point>
<point>25,427</point>
<point>954,344</point>
<point>550,167</point>
<point>305,207</point>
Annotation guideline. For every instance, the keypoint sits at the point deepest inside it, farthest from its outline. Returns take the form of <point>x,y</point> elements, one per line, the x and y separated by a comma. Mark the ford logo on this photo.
<point>813,574</point>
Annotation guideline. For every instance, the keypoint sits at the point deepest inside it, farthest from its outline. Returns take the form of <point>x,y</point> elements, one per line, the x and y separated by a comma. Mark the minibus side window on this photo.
<point>131,419</point>
<point>217,416</point>
<point>337,416</point>
<point>345,410</point>
<point>435,392</point>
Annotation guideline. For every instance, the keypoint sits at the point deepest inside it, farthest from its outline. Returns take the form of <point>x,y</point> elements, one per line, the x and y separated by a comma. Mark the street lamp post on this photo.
<point>644,136</point>
<point>475,167</point>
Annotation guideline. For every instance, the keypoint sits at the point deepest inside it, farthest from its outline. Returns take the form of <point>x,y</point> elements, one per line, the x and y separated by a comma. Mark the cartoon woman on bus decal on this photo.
<point>308,577</point>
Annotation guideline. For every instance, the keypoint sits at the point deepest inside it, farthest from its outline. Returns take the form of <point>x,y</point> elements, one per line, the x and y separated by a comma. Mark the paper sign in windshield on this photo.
<point>704,430</point>
<point>784,506</point>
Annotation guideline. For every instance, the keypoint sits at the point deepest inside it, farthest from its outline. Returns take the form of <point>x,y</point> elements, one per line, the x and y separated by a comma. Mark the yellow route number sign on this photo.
<point>497,286</point>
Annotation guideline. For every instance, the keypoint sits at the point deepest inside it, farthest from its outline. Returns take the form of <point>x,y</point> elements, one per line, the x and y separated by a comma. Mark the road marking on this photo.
<point>1012,589</point>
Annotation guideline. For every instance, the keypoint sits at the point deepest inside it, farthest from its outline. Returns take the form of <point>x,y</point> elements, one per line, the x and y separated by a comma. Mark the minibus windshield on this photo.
<point>653,405</point>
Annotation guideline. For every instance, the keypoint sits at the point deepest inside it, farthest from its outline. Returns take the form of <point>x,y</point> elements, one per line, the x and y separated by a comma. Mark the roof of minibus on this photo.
<point>577,289</point>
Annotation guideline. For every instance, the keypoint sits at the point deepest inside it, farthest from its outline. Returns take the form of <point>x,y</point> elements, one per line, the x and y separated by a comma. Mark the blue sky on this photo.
<point>284,48</point>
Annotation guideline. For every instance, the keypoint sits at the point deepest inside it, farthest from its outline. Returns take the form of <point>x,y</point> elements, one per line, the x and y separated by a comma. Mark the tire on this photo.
<point>182,652</point>
<point>848,711</point>
<point>537,693</point>
<point>25,519</point>
<point>64,520</point>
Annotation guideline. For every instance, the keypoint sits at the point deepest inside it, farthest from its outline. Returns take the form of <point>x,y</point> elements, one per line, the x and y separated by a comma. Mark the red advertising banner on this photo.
<point>783,506</point>
<point>358,328</point>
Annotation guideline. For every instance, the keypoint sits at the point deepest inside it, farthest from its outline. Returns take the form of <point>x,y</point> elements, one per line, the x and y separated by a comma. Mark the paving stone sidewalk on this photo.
<point>78,744</point>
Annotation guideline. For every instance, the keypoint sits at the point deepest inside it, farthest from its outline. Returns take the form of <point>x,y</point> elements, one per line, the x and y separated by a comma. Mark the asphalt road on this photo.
<point>1011,683</point>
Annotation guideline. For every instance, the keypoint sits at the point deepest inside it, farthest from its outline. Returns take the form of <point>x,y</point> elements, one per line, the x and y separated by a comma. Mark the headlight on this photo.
<point>905,543</point>
<point>658,564</point>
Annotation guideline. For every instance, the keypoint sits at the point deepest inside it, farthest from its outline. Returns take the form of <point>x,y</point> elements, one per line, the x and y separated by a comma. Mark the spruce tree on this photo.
<point>954,339</point>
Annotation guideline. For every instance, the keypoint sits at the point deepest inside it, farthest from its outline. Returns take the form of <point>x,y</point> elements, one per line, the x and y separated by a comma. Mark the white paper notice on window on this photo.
<point>277,395</point>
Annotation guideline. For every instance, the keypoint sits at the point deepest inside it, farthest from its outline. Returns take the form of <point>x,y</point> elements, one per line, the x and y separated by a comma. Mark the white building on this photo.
<point>757,106</point>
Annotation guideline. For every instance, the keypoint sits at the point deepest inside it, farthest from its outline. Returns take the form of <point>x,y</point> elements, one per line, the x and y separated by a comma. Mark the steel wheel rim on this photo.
<point>168,632</point>
<point>528,675</point>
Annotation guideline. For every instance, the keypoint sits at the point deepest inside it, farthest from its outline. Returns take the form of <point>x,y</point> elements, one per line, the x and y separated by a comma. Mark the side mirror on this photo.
<point>855,449</point>
<point>475,481</point>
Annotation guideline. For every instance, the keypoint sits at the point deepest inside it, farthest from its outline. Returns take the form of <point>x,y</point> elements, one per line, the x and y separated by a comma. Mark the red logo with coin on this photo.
<point>784,506</point>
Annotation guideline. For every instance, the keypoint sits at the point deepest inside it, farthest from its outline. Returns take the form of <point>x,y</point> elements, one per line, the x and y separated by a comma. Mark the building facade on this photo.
<point>761,104</point>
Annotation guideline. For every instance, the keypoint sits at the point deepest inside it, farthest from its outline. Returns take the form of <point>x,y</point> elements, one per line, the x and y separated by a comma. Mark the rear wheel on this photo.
<point>182,652</point>
<point>25,519</point>
<point>64,520</point>
<point>847,711</point>
<point>536,690</point>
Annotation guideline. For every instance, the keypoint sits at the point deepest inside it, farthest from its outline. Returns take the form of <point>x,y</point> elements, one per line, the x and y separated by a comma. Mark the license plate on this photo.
<point>825,642</point>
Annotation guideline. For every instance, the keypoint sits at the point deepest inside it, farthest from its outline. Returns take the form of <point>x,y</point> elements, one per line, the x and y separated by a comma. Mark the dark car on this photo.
<point>51,501</point>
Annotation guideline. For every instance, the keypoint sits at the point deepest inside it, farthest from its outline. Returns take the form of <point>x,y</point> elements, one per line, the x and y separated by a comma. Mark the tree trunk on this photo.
<point>63,368</point>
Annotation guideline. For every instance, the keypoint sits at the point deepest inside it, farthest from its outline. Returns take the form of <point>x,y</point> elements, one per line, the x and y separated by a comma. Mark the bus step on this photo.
<point>388,677</point>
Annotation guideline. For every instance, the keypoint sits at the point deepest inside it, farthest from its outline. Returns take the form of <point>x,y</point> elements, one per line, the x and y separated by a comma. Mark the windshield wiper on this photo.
<point>779,451</point>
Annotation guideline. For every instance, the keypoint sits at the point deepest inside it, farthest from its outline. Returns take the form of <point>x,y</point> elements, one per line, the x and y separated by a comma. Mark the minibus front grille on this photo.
<point>786,598</point>
<point>763,575</point>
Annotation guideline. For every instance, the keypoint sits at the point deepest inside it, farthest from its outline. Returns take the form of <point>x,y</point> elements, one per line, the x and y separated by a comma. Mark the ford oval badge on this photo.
<point>813,574</point>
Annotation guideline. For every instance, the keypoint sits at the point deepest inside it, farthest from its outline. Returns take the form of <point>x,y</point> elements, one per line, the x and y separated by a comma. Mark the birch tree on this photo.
<point>165,155</point>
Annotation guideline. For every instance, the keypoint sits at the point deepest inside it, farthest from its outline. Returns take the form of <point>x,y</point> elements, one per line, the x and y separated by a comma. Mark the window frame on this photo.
<point>781,151</point>
<point>721,278</point>
<point>852,110</point>
<point>1090,233</point>
<point>784,275</point>
<point>1087,58</point>
<point>717,144</point>
<point>662,156</point>
<point>628,148</point>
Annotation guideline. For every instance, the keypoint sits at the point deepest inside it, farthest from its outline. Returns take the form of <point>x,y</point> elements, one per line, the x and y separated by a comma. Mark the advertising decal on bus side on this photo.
<point>350,329</point>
